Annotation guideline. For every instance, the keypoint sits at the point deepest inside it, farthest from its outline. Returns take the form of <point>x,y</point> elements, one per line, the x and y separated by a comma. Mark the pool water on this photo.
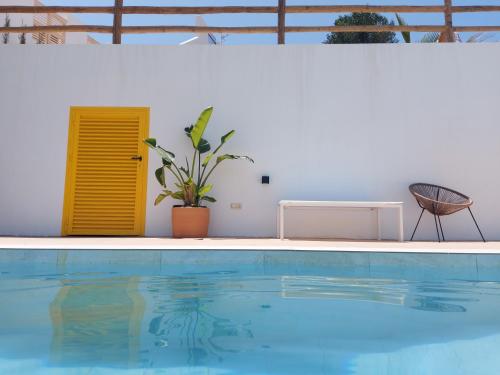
<point>234,313</point>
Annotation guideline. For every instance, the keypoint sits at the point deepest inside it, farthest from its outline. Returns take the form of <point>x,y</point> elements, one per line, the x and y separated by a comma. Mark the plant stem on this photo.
<point>203,172</point>
<point>178,176</point>
<point>187,167</point>
<point>199,180</point>
<point>194,159</point>
<point>209,173</point>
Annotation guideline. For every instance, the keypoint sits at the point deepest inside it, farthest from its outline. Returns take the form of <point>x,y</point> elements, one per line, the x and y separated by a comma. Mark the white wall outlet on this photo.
<point>236,206</point>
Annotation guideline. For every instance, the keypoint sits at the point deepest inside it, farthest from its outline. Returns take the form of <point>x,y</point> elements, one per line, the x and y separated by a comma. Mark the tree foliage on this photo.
<point>361,19</point>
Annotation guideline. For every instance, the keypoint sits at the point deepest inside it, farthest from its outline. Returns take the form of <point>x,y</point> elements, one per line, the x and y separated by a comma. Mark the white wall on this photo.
<point>354,122</point>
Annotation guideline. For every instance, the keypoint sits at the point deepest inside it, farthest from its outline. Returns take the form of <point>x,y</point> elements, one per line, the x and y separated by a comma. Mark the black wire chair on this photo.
<point>440,201</point>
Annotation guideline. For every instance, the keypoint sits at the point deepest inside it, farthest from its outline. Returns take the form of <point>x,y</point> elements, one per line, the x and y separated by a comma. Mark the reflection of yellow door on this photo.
<point>106,171</point>
<point>97,322</point>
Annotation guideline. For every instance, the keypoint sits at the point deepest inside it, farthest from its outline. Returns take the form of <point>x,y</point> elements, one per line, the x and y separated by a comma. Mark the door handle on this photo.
<point>136,157</point>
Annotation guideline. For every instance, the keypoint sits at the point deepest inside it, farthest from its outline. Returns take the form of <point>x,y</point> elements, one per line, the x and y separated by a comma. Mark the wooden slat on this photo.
<point>346,29</point>
<point>475,8</point>
<point>198,10</point>
<point>118,10</point>
<point>54,9</point>
<point>248,9</point>
<point>54,28</point>
<point>448,21</point>
<point>466,29</point>
<point>235,30</point>
<point>281,21</point>
<point>117,22</point>
<point>364,9</point>
<point>198,29</point>
<point>270,30</point>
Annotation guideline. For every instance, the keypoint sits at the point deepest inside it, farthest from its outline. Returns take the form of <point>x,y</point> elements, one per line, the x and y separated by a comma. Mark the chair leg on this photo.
<point>437,230</point>
<point>477,226</point>
<point>440,226</point>
<point>418,222</point>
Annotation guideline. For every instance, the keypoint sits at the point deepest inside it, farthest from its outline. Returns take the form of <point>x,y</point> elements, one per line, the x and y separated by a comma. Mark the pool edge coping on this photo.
<point>247,244</point>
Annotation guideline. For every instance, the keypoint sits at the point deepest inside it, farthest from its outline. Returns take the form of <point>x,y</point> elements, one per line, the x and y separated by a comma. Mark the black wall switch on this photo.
<point>265,180</point>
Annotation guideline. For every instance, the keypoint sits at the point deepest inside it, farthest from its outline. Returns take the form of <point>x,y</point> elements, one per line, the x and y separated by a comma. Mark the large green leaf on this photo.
<point>233,157</point>
<point>162,196</point>
<point>166,163</point>
<point>160,176</point>
<point>208,199</point>
<point>223,139</point>
<point>227,137</point>
<point>151,142</point>
<point>165,154</point>
<point>207,159</point>
<point>167,157</point>
<point>203,146</point>
<point>178,195</point>
<point>200,126</point>
<point>204,190</point>
<point>405,34</point>
<point>188,131</point>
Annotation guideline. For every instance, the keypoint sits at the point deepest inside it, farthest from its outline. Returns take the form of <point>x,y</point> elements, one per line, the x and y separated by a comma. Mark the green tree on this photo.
<point>361,19</point>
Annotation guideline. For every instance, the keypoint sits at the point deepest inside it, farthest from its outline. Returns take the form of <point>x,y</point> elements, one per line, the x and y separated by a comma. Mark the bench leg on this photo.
<point>401,225</point>
<point>282,222</point>
<point>379,229</point>
<point>278,222</point>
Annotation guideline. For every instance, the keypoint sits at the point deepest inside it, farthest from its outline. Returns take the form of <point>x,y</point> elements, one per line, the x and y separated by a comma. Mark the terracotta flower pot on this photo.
<point>190,222</point>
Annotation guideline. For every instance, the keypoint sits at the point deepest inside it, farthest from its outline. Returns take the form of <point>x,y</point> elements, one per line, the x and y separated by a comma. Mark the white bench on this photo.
<point>342,204</point>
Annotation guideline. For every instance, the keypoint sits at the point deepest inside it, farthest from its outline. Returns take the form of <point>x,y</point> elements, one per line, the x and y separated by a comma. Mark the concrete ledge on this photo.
<point>258,244</point>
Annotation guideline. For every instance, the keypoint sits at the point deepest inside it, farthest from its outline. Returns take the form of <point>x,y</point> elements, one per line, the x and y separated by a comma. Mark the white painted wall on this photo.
<point>354,122</point>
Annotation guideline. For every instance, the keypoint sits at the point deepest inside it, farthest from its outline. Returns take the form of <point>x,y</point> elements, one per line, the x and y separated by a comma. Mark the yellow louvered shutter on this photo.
<point>105,176</point>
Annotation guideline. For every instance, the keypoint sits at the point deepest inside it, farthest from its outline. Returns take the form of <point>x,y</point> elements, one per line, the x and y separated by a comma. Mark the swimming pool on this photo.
<point>248,312</point>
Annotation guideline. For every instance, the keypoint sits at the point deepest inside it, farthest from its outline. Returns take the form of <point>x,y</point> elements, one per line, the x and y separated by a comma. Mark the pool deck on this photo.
<point>135,243</point>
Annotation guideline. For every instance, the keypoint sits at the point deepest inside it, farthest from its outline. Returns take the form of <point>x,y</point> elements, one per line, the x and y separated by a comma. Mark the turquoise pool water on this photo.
<point>248,313</point>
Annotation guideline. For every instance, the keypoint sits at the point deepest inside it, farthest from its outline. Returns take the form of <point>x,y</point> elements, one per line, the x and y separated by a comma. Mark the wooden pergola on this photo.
<point>281,9</point>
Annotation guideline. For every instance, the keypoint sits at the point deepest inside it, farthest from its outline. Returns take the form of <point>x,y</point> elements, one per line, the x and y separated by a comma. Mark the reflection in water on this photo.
<point>231,320</point>
<point>413,295</point>
<point>183,321</point>
<point>97,322</point>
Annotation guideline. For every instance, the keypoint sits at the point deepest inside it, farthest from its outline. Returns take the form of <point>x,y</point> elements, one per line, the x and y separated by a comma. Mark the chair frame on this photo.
<point>439,208</point>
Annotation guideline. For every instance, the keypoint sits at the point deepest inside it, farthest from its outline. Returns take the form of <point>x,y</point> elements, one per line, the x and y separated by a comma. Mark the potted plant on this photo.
<point>191,218</point>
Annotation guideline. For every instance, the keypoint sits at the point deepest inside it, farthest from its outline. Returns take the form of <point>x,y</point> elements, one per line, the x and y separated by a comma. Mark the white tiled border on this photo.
<point>124,243</point>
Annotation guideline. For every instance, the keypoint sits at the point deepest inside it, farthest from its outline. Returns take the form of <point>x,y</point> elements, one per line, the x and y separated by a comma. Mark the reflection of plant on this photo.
<point>184,318</point>
<point>192,180</point>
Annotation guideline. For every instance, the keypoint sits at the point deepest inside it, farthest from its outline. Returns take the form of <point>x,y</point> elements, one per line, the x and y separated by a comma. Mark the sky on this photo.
<point>492,18</point>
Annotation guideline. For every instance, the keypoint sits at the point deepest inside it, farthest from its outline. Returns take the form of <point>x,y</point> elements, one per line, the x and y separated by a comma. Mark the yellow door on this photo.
<point>106,171</point>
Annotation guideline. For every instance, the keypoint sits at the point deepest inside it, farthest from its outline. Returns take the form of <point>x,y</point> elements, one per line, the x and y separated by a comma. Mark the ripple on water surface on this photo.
<point>233,321</point>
